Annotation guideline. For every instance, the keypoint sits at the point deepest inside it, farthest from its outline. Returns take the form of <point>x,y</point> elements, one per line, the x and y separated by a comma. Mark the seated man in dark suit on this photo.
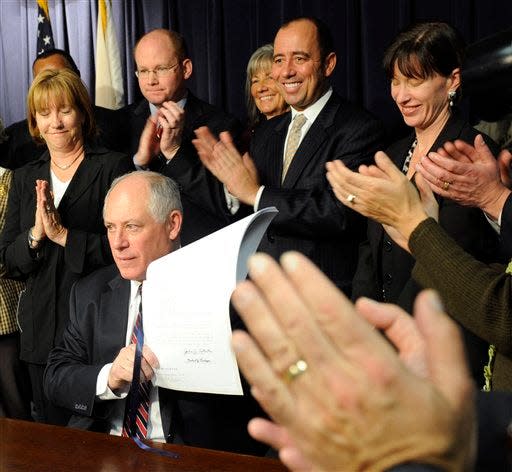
<point>20,148</point>
<point>290,152</point>
<point>91,370</point>
<point>158,131</point>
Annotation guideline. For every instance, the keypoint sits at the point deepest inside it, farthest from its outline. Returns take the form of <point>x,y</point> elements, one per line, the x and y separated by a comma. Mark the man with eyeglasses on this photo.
<point>159,129</point>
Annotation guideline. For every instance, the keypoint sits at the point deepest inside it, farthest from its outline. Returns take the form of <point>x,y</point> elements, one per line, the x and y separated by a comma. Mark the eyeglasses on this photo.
<point>160,71</point>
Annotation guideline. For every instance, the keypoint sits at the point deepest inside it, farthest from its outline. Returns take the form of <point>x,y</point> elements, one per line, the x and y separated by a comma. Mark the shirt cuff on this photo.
<point>232,202</point>
<point>137,166</point>
<point>495,225</point>
<point>103,391</point>
<point>258,198</point>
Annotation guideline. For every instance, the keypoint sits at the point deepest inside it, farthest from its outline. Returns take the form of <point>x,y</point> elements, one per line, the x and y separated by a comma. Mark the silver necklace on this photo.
<point>67,166</point>
<point>407,161</point>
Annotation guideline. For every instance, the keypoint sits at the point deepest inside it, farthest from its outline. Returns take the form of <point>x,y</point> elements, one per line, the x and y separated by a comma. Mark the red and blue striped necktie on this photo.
<point>141,417</point>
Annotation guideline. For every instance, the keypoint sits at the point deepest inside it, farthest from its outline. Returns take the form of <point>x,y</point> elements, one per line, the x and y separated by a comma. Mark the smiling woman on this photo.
<point>264,101</point>
<point>54,231</point>
<point>423,66</point>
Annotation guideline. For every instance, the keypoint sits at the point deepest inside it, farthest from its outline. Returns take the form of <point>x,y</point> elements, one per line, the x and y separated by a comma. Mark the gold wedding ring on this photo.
<point>351,198</point>
<point>295,370</point>
<point>446,186</point>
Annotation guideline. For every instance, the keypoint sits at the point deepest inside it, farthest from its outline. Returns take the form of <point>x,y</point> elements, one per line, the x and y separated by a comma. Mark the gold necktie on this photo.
<point>293,142</point>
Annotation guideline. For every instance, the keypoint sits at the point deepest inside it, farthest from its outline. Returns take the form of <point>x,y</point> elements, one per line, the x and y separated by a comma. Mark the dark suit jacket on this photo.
<point>95,334</point>
<point>43,307</point>
<point>506,229</point>
<point>494,413</point>
<point>311,220</point>
<point>20,148</point>
<point>203,198</point>
<point>384,269</point>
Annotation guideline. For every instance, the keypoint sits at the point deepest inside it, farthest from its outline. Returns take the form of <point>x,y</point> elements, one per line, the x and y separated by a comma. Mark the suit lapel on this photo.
<point>193,110</point>
<point>314,138</point>
<point>114,311</point>
<point>450,132</point>
<point>276,148</point>
<point>85,175</point>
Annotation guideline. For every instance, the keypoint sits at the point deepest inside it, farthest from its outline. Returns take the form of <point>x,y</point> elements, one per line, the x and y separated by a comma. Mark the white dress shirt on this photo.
<point>58,188</point>
<point>155,430</point>
<point>311,113</point>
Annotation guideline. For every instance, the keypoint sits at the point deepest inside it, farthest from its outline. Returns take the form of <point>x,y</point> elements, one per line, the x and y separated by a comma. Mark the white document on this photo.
<point>186,307</point>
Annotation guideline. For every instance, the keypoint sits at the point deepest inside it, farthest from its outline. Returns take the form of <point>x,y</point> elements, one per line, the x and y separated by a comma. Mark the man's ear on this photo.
<point>174,220</point>
<point>187,68</point>
<point>329,64</point>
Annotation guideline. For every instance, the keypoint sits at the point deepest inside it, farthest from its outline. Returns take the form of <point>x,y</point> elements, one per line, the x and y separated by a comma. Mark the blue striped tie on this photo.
<point>142,409</point>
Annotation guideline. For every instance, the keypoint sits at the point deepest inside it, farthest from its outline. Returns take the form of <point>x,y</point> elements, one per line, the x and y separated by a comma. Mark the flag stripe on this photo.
<point>109,79</point>
<point>43,4</point>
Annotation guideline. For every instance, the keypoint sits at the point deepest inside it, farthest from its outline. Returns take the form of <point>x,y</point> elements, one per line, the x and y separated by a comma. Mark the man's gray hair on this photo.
<point>164,194</point>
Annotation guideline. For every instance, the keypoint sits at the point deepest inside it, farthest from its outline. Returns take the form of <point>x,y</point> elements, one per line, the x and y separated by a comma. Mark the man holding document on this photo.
<point>91,371</point>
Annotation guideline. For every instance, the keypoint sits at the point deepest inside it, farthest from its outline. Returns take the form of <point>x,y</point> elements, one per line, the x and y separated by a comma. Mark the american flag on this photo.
<point>44,28</point>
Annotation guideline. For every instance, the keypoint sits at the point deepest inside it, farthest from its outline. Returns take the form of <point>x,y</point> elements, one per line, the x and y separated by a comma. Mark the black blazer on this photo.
<point>204,202</point>
<point>43,306</point>
<point>93,337</point>
<point>384,269</point>
<point>311,220</point>
<point>506,229</point>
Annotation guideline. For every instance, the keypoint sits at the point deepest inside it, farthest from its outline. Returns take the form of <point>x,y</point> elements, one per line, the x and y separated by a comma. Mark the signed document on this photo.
<point>186,307</point>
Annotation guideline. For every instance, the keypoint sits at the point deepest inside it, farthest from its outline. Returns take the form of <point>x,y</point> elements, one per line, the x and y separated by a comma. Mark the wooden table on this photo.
<point>34,447</point>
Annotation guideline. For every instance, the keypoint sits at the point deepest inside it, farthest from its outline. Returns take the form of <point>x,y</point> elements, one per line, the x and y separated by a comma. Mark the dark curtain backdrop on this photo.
<point>222,34</point>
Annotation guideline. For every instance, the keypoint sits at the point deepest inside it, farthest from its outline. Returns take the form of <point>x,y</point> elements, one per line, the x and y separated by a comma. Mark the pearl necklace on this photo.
<point>67,166</point>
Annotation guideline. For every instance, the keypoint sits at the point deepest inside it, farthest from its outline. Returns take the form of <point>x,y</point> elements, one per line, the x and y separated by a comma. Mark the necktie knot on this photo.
<point>298,121</point>
<point>293,142</point>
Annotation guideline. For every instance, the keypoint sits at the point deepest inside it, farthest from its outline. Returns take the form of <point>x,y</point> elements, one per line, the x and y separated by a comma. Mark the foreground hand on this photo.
<point>357,405</point>
<point>121,372</point>
<point>238,173</point>
<point>469,175</point>
<point>49,215</point>
<point>381,192</point>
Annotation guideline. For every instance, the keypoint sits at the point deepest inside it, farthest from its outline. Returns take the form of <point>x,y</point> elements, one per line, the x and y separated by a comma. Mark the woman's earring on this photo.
<point>451,97</point>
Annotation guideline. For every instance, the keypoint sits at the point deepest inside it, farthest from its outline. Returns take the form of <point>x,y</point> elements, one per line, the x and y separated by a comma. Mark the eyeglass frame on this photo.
<point>147,72</point>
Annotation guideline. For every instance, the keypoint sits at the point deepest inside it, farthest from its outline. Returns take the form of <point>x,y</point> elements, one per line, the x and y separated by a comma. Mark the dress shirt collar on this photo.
<point>153,108</point>
<point>312,112</point>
